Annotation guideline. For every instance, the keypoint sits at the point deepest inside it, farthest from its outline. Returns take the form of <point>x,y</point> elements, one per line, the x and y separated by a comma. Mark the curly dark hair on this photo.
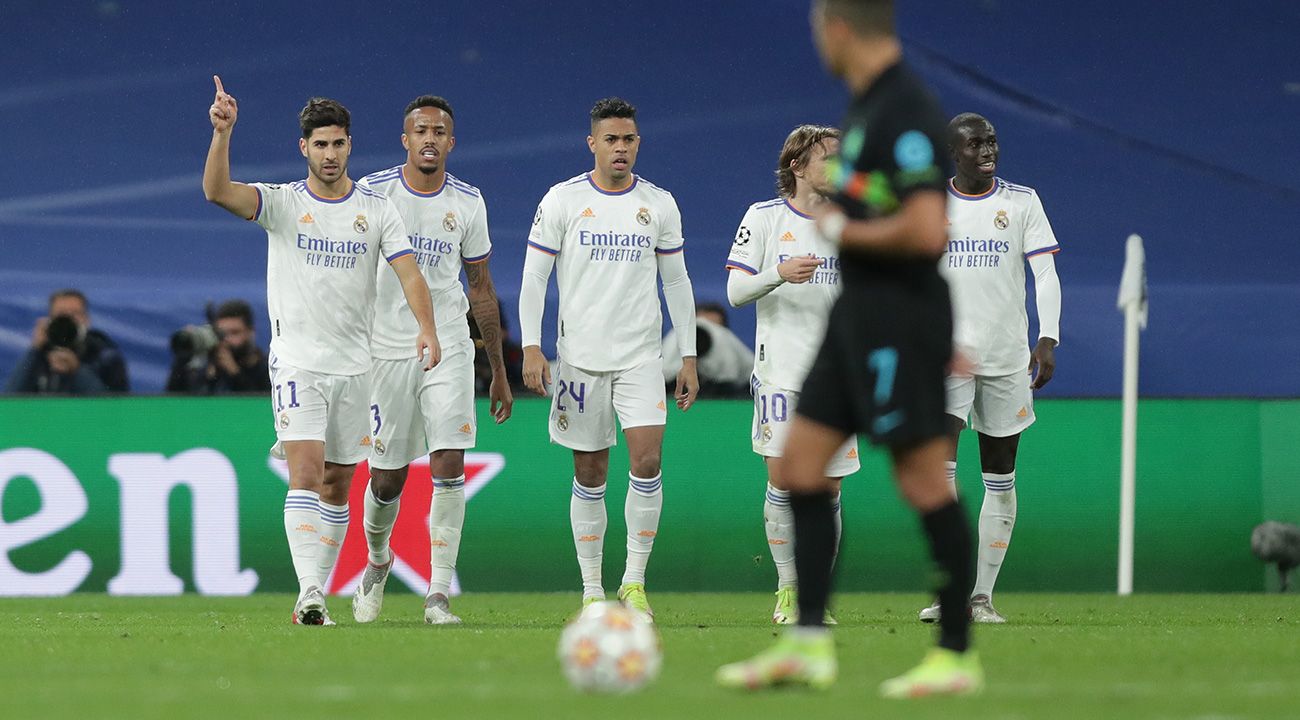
<point>612,107</point>
<point>323,112</point>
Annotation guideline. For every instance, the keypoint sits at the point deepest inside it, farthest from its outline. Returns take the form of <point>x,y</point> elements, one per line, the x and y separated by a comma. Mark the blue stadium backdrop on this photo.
<point>103,106</point>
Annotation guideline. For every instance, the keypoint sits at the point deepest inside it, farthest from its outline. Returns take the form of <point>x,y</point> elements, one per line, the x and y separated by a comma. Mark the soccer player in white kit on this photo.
<point>610,233</point>
<point>994,228</point>
<point>413,413</point>
<point>780,263</point>
<point>326,236</point>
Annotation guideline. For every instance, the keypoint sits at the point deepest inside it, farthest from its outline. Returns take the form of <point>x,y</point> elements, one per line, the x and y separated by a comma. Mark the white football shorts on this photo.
<point>308,405</point>
<point>773,414</point>
<point>414,412</point>
<point>995,405</point>
<point>584,404</point>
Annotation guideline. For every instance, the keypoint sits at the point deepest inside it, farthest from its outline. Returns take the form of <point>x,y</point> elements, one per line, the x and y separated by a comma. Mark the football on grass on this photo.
<point>609,648</point>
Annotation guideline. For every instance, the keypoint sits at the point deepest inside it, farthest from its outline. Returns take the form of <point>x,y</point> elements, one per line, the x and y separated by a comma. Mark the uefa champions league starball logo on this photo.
<point>742,236</point>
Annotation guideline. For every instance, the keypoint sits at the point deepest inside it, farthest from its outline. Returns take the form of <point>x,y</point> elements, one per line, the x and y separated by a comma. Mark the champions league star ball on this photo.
<point>609,648</point>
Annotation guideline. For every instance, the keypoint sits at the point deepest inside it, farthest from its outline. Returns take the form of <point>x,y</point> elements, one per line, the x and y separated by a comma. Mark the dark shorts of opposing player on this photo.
<point>881,367</point>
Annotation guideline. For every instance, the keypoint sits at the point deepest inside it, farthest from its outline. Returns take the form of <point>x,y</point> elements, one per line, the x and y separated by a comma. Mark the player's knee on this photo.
<point>924,494</point>
<point>647,464</point>
<point>306,477</point>
<point>1001,462</point>
<point>801,477</point>
<point>590,469</point>
<point>387,484</point>
<point>447,463</point>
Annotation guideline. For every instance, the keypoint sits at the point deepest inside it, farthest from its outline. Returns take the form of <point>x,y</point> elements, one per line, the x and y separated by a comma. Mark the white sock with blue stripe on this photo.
<point>333,528</point>
<point>997,519</point>
<point>446,520</point>
<point>778,521</point>
<point>645,503</point>
<point>588,520</point>
<point>302,528</point>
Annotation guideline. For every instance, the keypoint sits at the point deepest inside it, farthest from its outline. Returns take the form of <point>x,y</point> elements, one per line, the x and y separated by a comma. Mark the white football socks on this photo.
<point>378,521</point>
<point>302,528</point>
<point>997,519</point>
<point>588,520</point>
<point>446,520</point>
<point>778,521</point>
<point>333,528</point>
<point>645,503</point>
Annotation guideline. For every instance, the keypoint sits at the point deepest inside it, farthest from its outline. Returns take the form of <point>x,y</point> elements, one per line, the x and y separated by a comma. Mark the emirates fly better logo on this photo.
<point>410,539</point>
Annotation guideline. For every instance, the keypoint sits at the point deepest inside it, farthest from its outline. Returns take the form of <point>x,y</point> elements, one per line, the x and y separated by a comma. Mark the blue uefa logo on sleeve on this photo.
<point>913,151</point>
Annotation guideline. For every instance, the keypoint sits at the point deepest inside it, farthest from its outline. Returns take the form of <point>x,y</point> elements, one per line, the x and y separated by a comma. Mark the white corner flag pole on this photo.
<point>1133,302</point>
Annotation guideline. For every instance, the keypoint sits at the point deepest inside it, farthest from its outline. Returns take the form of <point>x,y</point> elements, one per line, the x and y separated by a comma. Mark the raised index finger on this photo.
<point>221,90</point>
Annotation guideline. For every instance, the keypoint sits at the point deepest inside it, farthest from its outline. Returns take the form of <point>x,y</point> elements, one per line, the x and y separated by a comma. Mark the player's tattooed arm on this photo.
<point>238,198</point>
<point>487,314</point>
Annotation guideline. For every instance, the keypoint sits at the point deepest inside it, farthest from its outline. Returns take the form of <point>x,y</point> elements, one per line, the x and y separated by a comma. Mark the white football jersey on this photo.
<point>990,236</point>
<point>446,228</point>
<point>606,245</point>
<point>791,318</point>
<point>321,263</point>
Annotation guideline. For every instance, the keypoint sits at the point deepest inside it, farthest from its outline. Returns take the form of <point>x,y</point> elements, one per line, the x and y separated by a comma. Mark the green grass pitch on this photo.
<point>1062,656</point>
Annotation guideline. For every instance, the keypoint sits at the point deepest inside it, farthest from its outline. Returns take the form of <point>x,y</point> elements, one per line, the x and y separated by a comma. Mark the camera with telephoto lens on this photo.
<point>193,343</point>
<point>62,332</point>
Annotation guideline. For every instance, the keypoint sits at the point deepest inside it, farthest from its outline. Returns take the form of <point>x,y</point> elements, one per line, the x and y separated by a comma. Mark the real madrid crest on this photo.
<point>284,421</point>
<point>1000,221</point>
<point>360,224</point>
<point>643,216</point>
<point>449,222</point>
<point>767,433</point>
<point>562,422</point>
<point>379,447</point>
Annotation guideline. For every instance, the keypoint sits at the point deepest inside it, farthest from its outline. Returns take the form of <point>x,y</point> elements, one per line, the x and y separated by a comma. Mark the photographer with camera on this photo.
<point>220,357</point>
<point>67,356</point>
<point>725,361</point>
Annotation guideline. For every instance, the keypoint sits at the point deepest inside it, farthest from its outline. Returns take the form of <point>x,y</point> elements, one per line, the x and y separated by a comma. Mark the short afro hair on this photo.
<point>432,101</point>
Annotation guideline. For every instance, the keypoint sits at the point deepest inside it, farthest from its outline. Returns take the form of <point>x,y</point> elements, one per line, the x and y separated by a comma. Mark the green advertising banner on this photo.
<point>157,496</point>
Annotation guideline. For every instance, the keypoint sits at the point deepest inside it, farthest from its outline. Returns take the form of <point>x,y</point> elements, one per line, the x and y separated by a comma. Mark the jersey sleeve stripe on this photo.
<point>1041,251</point>
<point>257,211</point>
<point>670,251</point>
<point>400,253</point>
<point>733,265</point>
<point>479,259</point>
<point>380,179</point>
<point>543,248</point>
